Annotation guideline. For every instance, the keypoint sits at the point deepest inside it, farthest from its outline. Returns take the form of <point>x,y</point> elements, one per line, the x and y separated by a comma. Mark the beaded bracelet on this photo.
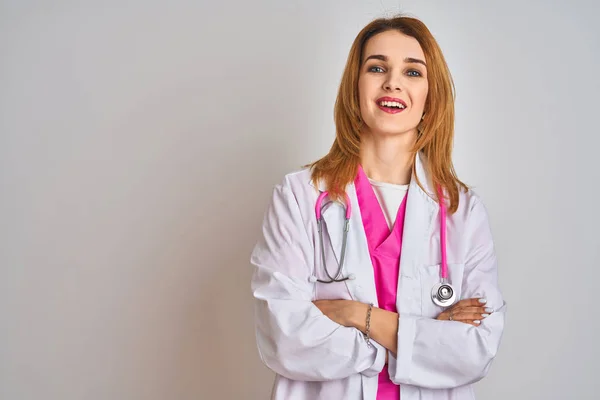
<point>368,326</point>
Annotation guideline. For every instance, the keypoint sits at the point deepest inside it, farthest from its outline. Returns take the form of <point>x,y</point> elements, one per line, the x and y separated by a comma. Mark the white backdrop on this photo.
<point>140,141</point>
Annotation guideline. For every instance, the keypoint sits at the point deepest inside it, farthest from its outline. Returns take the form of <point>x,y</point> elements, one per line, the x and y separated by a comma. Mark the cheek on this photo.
<point>420,98</point>
<point>363,96</point>
<point>363,91</point>
<point>425,93</point>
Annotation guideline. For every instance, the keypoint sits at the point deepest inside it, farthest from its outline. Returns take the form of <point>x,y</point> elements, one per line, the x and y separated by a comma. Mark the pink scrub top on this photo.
<point>384,249</point>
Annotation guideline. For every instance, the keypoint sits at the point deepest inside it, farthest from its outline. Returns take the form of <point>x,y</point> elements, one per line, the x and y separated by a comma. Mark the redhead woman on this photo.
<point>375,275</point>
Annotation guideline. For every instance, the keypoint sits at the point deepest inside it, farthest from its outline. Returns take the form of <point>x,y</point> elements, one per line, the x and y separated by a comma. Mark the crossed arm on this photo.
<point>323,340</point>
<point>383,327</point>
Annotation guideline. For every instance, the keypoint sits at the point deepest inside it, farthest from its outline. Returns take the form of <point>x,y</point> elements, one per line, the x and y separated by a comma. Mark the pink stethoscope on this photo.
<point>442,293</point>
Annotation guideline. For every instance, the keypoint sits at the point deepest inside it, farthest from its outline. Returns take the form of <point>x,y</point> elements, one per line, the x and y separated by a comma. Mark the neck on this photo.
<point>387,158</point>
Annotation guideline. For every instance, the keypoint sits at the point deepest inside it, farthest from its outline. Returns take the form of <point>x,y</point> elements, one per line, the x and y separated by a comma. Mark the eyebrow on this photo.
<point>407,59</point>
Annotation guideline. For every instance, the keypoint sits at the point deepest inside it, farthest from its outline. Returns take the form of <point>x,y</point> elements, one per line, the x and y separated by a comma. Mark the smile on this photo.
<point>391,105</point>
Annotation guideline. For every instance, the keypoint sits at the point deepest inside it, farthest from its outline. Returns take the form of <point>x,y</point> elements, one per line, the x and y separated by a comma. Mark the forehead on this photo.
<point>393,44</point>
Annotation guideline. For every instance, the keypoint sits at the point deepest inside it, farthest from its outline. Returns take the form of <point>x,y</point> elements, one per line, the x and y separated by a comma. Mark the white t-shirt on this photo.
<point>390,197</point>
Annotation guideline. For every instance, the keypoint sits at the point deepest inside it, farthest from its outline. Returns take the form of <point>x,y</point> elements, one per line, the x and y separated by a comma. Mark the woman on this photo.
<point>372,329</point>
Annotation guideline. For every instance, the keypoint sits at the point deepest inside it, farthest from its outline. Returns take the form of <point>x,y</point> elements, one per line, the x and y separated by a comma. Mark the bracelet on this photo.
<point>368,326</point>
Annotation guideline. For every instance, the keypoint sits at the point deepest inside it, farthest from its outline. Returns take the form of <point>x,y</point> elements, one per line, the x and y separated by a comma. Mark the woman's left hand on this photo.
<point>342,312</point>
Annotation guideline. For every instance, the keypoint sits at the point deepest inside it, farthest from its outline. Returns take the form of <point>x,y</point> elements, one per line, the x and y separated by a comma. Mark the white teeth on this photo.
<point>391,104</point>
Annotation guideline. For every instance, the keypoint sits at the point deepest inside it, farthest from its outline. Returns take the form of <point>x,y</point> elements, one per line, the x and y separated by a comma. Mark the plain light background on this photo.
<point>140,142</point>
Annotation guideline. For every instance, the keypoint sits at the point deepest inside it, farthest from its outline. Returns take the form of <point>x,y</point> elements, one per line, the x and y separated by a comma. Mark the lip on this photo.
<point>387,110</point>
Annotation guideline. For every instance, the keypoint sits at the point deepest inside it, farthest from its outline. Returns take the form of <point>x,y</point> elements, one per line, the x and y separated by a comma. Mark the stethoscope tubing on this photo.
<point>319,214</point>
<point>444,272</point>
<point>318,211</point>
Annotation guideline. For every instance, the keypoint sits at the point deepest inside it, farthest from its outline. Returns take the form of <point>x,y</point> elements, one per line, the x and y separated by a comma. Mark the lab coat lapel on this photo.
<point>421,212</point>
<point>357,261</point>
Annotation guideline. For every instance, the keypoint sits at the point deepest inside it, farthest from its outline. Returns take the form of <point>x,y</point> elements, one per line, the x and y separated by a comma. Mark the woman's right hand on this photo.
<point>468,311</point>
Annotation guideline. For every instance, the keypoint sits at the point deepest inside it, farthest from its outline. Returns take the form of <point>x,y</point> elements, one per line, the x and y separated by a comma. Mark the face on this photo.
<point>392,85</point>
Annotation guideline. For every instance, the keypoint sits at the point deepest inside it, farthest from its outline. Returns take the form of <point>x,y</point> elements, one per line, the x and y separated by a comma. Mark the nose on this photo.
<point>392,82</point>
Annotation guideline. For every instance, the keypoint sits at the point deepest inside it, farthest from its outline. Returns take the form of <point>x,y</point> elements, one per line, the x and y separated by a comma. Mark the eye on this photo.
<point>376,69</point>
<point>414,72</point>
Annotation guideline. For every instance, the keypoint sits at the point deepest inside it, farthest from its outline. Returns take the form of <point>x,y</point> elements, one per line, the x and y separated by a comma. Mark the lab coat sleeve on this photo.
<point>446,354</point>
<point>295,339</point>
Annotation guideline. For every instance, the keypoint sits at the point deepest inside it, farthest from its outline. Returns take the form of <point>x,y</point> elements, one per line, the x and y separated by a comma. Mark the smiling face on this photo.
<point>392,84</point>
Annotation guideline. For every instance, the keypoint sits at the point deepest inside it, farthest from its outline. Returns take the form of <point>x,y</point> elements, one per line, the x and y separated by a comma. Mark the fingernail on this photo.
<point>485,315</point>
<point>482,301</point>
<point>476,321</point>
<point>489,309</point>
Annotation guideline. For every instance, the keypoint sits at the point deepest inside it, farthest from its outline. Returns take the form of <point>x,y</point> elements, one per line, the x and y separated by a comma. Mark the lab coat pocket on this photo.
<point>432,275</point>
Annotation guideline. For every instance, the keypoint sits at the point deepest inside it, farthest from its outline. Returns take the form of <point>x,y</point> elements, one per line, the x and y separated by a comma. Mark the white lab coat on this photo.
<point>314,357</point>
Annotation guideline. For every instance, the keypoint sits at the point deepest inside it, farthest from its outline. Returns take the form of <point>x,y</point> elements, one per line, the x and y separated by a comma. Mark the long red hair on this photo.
<point>339,167</point>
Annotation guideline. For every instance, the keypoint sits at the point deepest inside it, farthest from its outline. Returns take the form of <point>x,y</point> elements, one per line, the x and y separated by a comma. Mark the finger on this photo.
<point>445,315</point>
<point>464,316</point>
<point>473,302</point>
<point>475,310</point>
<point>472,321</point>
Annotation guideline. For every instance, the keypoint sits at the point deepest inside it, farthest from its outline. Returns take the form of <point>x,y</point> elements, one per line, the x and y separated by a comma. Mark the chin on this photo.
<point>393,131</point>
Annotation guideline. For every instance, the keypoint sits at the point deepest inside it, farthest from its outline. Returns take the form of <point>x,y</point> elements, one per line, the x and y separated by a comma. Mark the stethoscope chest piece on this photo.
<point>443,294</point>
